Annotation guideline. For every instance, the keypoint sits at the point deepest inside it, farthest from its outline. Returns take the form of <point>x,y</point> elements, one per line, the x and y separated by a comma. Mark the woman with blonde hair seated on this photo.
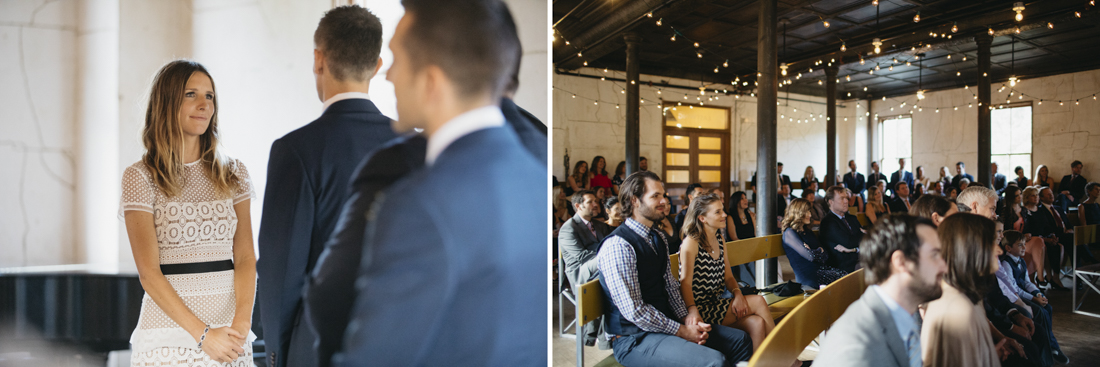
<point>705,274</point>
<point>805,253</point>
<point>876,208</point>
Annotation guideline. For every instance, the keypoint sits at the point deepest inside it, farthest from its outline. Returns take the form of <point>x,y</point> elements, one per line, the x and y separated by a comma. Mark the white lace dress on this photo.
<point>195,226</point>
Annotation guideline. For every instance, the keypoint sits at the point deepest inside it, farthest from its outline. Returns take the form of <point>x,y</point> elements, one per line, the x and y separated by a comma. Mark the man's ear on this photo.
<point>318,62</point>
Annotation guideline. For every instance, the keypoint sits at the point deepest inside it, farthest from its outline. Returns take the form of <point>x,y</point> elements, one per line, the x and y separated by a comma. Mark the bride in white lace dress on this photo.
<point>186,209</point>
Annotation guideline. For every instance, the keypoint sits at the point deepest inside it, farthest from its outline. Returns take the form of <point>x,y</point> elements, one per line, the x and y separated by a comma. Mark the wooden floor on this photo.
<point>1079,335</point>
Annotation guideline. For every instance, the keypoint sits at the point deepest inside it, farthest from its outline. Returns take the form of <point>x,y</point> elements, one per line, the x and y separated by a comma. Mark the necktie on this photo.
<point>1057,218</point>
<point>913,343</point>
<point>907,207</point>
<point>653,239</point>
<point>593,230</point>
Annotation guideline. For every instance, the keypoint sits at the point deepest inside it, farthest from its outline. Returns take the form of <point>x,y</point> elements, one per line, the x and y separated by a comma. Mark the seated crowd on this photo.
<point>987,267</point>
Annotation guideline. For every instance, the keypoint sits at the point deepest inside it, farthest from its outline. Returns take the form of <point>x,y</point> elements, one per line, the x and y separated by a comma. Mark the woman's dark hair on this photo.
<point>928,204</point>
<point>577,171</point>
<point>1088,188</point>
<point>949,189</point>
<point>894,232</point>
<point>596,163</point>
<point>1008,216</point>
<point>967,241</point>
<point>610,202</point>
<point>735,203</point>
<point>621,168</point>
<point>1018,169</point>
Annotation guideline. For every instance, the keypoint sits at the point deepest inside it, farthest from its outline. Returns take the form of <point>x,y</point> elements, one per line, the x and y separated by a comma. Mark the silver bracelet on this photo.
<point>203,337</point>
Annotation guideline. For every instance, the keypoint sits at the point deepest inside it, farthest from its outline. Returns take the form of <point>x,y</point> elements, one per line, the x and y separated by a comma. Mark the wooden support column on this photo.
<point>985,174</point>
<point>830,124</point>
<point>633,41</point>
<point>766,112</point>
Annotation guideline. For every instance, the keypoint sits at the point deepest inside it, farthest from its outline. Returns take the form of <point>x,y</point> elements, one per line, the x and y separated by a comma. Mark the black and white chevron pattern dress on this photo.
<point>707,285</point>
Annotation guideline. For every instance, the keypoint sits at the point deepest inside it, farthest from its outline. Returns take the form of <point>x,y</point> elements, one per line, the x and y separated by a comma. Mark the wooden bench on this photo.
<point>791,336</point>
<point>1083,236</point>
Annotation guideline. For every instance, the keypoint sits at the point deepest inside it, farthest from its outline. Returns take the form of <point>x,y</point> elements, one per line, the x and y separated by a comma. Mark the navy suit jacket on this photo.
<point>906,177</point>
<point>330,293</point>
<point>999,183</point>
<point>833,232</point>
<point>453,267</point>
<point>1075,186</point>
<point>531,131</point>
<point>955,180</point>
<point>855,183</point>
<point>307,179</point>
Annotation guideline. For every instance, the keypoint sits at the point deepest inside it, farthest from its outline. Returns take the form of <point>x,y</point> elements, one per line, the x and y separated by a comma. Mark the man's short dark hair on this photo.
<point>806,193</point>
<point>641,159</point>
<point>350,38</point>
<point>778,164</point>
<point>578,197</point>
<point>509,22</point>
<point>833,191</point>
<point>634,187</point>
<point>960,164</point>
<point>1075,164</point>
<point>894,232</point>
<point>691,189</point>
<point>899,183</point>
<point>928,204</point>
<point>468,39</point>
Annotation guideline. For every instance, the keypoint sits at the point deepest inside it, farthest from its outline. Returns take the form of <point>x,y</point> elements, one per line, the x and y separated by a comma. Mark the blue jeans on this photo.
<point>725,347</point>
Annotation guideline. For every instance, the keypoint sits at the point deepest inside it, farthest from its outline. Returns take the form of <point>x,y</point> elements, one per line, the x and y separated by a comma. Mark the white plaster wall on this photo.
<point>587,129</point>
<point>1060,134</point>
<point>37,72</point>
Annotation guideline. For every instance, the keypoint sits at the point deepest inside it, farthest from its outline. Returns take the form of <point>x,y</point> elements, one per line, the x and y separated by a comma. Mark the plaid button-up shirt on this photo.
<point>619,266</point>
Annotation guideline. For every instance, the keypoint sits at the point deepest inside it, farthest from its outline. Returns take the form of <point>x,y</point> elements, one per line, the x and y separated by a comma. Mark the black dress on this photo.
<point>1092,213</point>
<point>744,230</point>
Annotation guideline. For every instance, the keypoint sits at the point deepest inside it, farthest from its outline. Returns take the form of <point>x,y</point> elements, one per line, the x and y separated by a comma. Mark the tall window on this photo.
<point>696,147</point>
<point>896,135</point>
<point>1011,139</point>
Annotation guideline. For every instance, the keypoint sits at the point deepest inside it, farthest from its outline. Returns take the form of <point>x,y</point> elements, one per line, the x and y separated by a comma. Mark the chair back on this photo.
<point>863,220</point>
<point>1083,235</point>
<point>807,320</point>
<point>752,249</point>
<point>674,262</point>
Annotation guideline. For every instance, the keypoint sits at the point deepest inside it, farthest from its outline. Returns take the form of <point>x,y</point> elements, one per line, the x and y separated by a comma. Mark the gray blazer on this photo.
<point>864,336</point>
<point>579,248</point>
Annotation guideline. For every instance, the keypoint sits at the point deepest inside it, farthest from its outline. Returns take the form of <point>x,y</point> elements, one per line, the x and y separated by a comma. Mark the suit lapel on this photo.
<point>889,328</point>
<point>579,227</point>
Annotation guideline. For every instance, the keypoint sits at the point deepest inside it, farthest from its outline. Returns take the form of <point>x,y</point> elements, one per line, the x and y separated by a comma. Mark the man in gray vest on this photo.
<point>649,324</point>
<point>901,259</point>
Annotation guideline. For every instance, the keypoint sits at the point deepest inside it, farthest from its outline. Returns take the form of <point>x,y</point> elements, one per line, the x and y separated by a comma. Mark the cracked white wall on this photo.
<point>1060,134</point>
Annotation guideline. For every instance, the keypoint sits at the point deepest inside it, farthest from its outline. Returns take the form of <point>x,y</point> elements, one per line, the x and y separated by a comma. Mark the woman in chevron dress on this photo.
<point>705,274</point>
<point>186,209</point>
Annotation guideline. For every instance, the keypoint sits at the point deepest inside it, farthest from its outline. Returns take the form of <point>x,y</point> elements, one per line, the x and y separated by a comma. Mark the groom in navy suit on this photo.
<point>307,177</point>
<point>901,175</point>
<point>436,286</point>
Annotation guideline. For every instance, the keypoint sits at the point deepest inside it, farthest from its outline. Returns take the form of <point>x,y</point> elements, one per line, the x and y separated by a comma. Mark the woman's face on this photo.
<point>600,192</point>
<point>1019,196</point>
<point>198,104</point>
<point>806,218</point>
<point>1044,172</point>
<point>584,168</point>
<point>881,186</point>
<point>920,171</point>
<point>1020,172</point>
<point>714,217</point>
<point>1095,192</point>
<point>1031,200</point>
<point>943,171</point>
<point>600,165</point>
<point>744,204</point>
<point>873,194</point>
<point>616,212</point>
<point>952,193</point>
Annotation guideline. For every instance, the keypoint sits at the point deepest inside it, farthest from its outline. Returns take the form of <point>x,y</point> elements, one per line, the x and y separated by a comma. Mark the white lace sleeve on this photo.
<point>244,190</point>
<point>138,191</point>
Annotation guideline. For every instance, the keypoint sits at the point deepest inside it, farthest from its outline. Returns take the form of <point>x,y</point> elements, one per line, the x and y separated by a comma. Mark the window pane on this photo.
<point>710,160</point>
<point>698,118</point>
<point>710,176</point>
<point>710,143</point>
<point>897,142</point>
<point>676,176</point>
<point>677,142</point>
<point>1011,130</point>
<point>1022,160</point>
<point>678,159</point>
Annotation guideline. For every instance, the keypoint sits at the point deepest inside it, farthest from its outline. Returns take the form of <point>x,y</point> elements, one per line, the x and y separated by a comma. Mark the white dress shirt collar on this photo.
<point>462,125</point>
<point>343,96</point>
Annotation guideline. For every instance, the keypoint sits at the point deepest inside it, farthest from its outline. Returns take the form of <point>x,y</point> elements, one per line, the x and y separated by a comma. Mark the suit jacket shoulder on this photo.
<point>865,335</point>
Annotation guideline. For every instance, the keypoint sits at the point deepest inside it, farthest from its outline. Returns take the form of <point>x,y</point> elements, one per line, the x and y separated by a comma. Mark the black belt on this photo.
<point>192,268</point>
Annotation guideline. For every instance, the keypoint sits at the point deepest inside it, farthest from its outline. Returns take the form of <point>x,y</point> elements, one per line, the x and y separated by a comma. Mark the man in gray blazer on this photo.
<point>901,260</point>
<point>580,239</point>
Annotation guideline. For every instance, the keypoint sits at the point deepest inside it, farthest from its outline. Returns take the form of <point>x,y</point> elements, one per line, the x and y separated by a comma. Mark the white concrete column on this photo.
<point>98,177</point>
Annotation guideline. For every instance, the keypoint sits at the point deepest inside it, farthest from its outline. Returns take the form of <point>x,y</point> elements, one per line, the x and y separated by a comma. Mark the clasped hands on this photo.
<point>224,344</point>
<point>694,329</point>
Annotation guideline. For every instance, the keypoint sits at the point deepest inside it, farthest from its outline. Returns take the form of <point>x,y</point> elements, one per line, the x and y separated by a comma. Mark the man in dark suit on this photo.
<point>579,238</point>
<point>308,175</point>
<point>900,203</point>
<point>854,181</point>
<point>330,291</point>
<point>960,173</point>
<point>431,270</point>
<point>1072,186</point>
<point>901,175</point>
<point>840,231</point>
<point>781,178</point>
<point>999,179</point>
<point>875,176</point>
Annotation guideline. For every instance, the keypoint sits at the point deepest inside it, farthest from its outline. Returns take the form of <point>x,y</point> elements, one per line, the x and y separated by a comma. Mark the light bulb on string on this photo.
<point>659,21</point>
<point>783,69</point>
<point>874,2</point>
<point>878,45</point>
<point>673,37</point>
<point>1018,7</point>
<point>699,54</point>
<point>1050,25</point>
<point>649,14</point>
<point>696,44</point>
<point>848,77</point>
<point>990,31</point>
<point>861,61</point>
<point>891,68</point>
<point>916,18</point>
<point>726,63</point>
<point>1012,82</point>
<point>586,63</point>
<point>825,23</point>
<point>843,47</point>
<point>716,70</point>
<point>877,67</point>
<point>1077,14</point>
<point>955,27</point>
<point>907,63</point>
<point>920,94</point>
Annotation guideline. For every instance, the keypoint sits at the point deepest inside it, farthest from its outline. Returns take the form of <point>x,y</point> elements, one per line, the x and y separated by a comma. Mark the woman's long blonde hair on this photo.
<point>693,227</point>
<point>796,212</point>
<point>163,135</point>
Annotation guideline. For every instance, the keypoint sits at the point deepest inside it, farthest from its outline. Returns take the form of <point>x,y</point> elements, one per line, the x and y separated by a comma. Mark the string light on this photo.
<point>990,31</point>
<point>1018,7</point>
<point>673,37</point>
<point>659,21</point>
<point>955,27</point>
<point>699,54</point>
<point>878,47</point>
<point>874,2</point>
<point>843,47</point>
<point>825,23</point>
<point>783,69</point>
<point>1050,25</point>
<point>916,18</point>
<point>649,14</point>
<point>726,64</point>
<point>696,44</point>
<point>1077,14</point>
